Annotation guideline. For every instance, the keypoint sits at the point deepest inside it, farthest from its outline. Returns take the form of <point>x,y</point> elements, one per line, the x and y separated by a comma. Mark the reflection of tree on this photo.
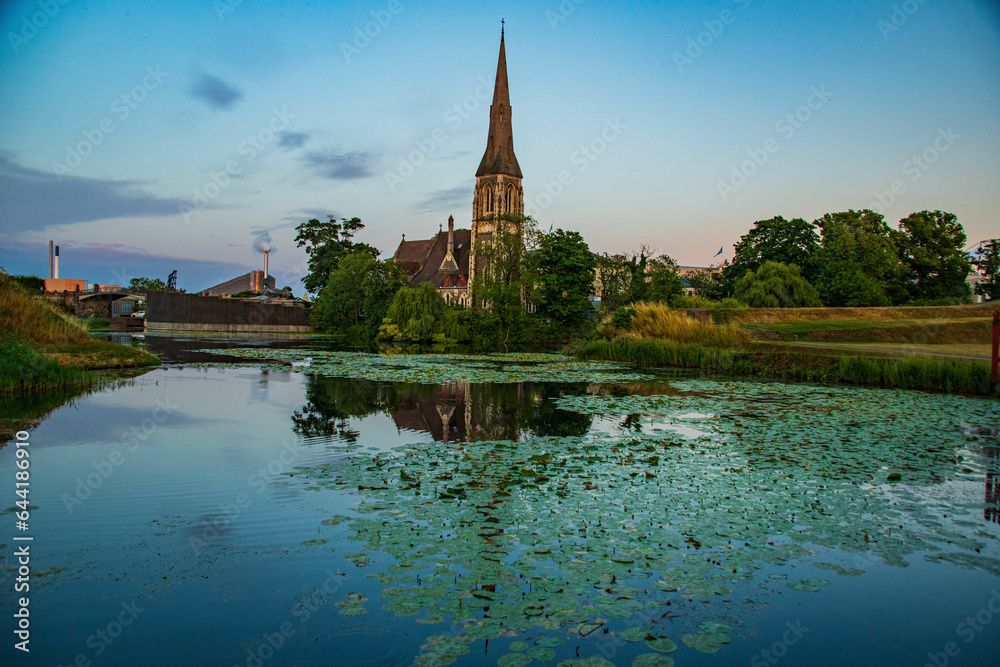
<point>545,420</point>
<point>332,400</point>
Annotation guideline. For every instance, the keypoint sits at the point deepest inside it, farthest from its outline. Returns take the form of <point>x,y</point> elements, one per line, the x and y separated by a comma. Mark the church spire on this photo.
<point>499,157</point>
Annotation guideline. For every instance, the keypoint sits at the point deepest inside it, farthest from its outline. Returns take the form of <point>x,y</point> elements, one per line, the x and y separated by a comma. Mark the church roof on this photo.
<point>422,259</point>
<point>499,157</point>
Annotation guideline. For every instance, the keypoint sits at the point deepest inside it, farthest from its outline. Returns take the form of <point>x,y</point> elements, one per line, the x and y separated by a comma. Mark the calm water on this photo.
<point>287,505</point>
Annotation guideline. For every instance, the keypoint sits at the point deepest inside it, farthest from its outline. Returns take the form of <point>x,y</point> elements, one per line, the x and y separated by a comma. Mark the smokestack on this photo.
<point>265,267</point>
<point>55,264</point>
<point>50,258</point>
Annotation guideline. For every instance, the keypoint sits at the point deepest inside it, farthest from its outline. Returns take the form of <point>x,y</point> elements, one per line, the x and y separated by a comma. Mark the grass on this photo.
<point>91,323</point>
<point>772,315</point>
<point>44,350</point>
<point>981,350</point>
<point>918,331</point>
<point>656,321</point>
<point>659,336</point>
<point>777,361</point>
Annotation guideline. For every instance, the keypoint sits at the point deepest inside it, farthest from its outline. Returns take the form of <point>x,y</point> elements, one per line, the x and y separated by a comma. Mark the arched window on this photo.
<point>510,199</point>
<point>488,198</point>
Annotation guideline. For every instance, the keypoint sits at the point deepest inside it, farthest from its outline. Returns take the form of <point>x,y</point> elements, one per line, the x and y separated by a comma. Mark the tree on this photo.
<point>416,312</point>
<point>986,259</point>
<point>776,285</point>
<point>326,243</point>
<point>931,247</point>
<point>356,296</point>
<point>499,283</point>
<point>146,285</point>
<point>563,268</point>
<point>858,262</point>
<point>774,240</point>
<point>710,284</point>
<point>662,281</point>
<point>614,276</point>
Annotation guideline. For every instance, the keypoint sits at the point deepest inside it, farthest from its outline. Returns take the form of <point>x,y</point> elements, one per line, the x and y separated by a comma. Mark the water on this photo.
<point>290,505</point>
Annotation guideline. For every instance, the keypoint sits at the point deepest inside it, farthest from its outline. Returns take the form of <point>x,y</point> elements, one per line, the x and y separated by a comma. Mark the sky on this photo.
<point>148,137</point>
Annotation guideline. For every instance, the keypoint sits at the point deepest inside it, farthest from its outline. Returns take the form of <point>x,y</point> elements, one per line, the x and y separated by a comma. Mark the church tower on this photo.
<point>498,179</point>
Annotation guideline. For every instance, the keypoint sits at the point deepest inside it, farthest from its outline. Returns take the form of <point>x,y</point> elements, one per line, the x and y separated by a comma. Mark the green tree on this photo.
<point>774,240</point>
<point>614,277</point>
<point>858,262</point>
<point>146,285</point>
<point>563,270</point>
<point>986,259</point>
<point>776,285</point>
<point>356,296</point>
<point>326,243</point>
<point>931,245</point>
<point>33,284</point>
<point>499,283</point>
<point>662,281</point>
<point>417,312</point>
<point>710,284</point>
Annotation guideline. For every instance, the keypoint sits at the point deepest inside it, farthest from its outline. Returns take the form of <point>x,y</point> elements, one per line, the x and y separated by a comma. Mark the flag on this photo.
<point>550,227</point>
<point>719,253</point>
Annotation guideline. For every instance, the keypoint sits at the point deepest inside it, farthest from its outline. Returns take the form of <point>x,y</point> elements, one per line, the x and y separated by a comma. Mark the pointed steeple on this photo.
<point>499,157</point>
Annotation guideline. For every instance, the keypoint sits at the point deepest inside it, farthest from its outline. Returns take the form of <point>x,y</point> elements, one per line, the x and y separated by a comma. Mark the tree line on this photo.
<point>851,258</point>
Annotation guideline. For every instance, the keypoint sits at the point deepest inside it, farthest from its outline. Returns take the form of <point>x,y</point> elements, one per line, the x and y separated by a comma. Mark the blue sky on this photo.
<point>149,137</point>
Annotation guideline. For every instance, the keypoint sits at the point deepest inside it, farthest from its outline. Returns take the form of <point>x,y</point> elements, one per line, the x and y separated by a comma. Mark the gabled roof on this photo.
<point>422,259</point>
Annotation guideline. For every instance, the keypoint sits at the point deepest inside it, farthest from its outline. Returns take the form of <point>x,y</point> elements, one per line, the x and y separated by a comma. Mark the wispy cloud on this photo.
<point>446,199</point>
<point>339,166</point>
<point>215,91</point>
<point>291,140</point>
<point>303,214</point>
<point>34,199</point>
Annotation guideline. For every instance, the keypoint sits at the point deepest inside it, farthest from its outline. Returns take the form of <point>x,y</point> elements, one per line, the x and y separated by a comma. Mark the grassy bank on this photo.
<point>764,361</point>
<point>691,343</point>
<point>44,350</point>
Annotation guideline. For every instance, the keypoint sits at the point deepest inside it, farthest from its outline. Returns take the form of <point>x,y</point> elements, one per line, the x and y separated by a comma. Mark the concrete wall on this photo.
<point>191,312</point>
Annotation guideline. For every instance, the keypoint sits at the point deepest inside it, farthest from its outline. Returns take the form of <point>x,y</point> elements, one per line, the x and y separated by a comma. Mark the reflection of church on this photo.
<point>464,412</point>
<point>448,260</point>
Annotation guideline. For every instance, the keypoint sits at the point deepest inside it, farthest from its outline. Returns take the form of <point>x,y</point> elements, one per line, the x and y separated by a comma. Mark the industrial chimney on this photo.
<point>50,258</point>
<point>265,268</point>
<point>55,264</point>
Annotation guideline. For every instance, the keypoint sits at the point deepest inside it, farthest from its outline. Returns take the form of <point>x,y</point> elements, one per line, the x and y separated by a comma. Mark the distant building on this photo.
<point>449,262</point>
<point>249,282</point>
<point>65,285</point>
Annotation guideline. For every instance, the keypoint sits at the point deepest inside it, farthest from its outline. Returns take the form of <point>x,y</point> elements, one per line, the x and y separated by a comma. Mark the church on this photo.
<point>448,260</point>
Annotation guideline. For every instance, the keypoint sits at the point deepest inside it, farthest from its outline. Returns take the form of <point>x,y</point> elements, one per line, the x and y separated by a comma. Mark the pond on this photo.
<point>276,502</point>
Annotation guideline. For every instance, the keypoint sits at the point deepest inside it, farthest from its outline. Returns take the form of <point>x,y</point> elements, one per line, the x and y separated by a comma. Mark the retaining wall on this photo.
<point>191,312</point>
